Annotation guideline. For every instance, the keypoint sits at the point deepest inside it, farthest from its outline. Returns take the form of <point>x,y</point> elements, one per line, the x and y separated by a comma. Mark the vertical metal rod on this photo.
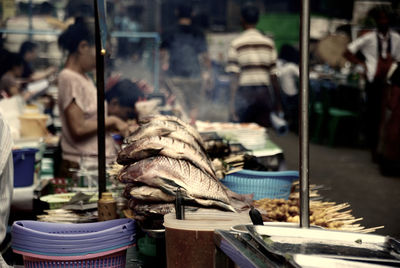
<point>304,135</point>
<point>30,19</point>
<point>101,141</point>
<point>156,64</point>
<point>157,12</point>
<point>156,45</point>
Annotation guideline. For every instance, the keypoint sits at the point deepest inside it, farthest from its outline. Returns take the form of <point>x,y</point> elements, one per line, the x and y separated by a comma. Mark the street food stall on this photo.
<point>213,194</point>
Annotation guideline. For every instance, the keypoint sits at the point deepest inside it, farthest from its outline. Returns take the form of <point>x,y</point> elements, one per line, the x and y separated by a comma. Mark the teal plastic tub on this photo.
<point>263,184</point>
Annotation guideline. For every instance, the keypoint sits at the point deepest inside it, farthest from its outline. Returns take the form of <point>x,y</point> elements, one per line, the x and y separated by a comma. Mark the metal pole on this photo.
<point>101,141</point>
<point>30,19</point>
<point>156,64</point>
<point>304,82</point>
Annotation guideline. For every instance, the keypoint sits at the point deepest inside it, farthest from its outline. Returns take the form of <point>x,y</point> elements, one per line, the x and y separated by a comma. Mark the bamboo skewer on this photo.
<point>373,229</point>
<point>326,214</point>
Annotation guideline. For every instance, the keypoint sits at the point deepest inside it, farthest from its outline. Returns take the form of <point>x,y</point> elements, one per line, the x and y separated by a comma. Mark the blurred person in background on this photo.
<point>288,73</point>
<point>77,99</point>
<point>380,48</point>
<point>78,8</point>
<point>46,11</point>
<point>28,52</point>
<point>6,181</point>
<point>3,56</point>
<point>10,81</point>
<point>389,144</point>
<point>185,61</point>
<point>252,60</point>
<point>122,98</point>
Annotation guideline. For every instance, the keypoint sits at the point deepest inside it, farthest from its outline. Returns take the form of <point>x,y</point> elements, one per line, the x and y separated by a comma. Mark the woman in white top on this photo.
<point>77,98</point>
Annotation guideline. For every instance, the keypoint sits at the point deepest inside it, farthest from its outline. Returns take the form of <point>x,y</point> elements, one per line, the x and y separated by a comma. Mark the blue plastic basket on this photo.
<point>262,184</point>
<point>55,239</point>
<point>111,259</point>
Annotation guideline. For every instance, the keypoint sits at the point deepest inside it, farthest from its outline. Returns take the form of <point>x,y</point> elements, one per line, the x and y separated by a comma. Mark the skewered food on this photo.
<point>325,214</point>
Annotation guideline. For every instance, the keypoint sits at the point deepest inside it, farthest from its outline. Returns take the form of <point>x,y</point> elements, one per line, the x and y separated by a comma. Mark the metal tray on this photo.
<point>207,136</point>
<point>242,228</point>
<point>288,242</point>
<point>237,148</point>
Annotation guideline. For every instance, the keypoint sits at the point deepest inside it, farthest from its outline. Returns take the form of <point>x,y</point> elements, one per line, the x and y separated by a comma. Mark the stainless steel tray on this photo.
<point>285,242</point>
<point>242,228</point>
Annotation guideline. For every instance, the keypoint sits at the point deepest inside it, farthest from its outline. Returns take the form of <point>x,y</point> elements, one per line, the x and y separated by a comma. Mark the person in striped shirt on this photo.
<point>252,64</point>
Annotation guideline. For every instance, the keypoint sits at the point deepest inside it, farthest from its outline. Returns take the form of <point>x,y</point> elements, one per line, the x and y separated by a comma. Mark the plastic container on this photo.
<point>152,245</point>
<point>78,231</point>
<point>33,125</point>
<point>107,207</point>
<point>24,167</point>
<point>263,184</point>
<point>190,242</point>
<point>147,246</point>
<point>72,242</point>
<point>29,143</point>
<point>58,200</point>
<point>112,259</point>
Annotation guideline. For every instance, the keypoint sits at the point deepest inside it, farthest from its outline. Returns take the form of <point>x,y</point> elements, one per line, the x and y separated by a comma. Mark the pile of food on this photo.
<point>165,154</point>
<point>251,135</point>
<point>325,214</point>
<point>232,145</point>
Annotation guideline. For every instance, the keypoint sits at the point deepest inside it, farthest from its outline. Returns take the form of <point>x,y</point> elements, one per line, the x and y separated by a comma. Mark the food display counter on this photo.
<point>288,246</point>
<point>170,177</point>
<point>273,246</point>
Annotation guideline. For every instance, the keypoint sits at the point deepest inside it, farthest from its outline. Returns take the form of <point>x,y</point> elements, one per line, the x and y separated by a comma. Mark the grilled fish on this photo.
<point>168,174</point>
<point>166,129</point>
<point>152,146</point>
<point>175,120</point>
<point>147,193</point>
<point>146,209</point>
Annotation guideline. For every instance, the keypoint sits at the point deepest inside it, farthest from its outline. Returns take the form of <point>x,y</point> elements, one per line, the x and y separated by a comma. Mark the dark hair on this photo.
<point>376,12</point>
<point>289,53</point>
<point>13,60</point>
<point>46,8</point>
<point>250,13</point>
<point>126,92</point>
<point>79,8</point>
<point>81,30</point>
<point>184,11</point>
<point>4,61</point>
<point>27,46</point>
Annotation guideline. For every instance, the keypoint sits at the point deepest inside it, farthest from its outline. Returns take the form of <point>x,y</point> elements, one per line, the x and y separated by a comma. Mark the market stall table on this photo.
<point>274,246</point>
<point>231,251</point>
<point>254,138</point>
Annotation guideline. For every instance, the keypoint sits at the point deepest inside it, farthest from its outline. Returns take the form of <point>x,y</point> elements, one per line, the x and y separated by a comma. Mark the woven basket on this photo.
<point>111,259</point>
<point>262,184</point>
<point>99,244</point>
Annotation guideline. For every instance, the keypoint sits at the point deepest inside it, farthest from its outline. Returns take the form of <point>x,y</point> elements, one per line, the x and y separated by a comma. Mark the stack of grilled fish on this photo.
<point>165,154</point>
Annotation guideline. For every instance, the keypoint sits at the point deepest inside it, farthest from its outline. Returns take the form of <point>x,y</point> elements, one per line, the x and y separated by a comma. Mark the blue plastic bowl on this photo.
<point>263,184</point>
